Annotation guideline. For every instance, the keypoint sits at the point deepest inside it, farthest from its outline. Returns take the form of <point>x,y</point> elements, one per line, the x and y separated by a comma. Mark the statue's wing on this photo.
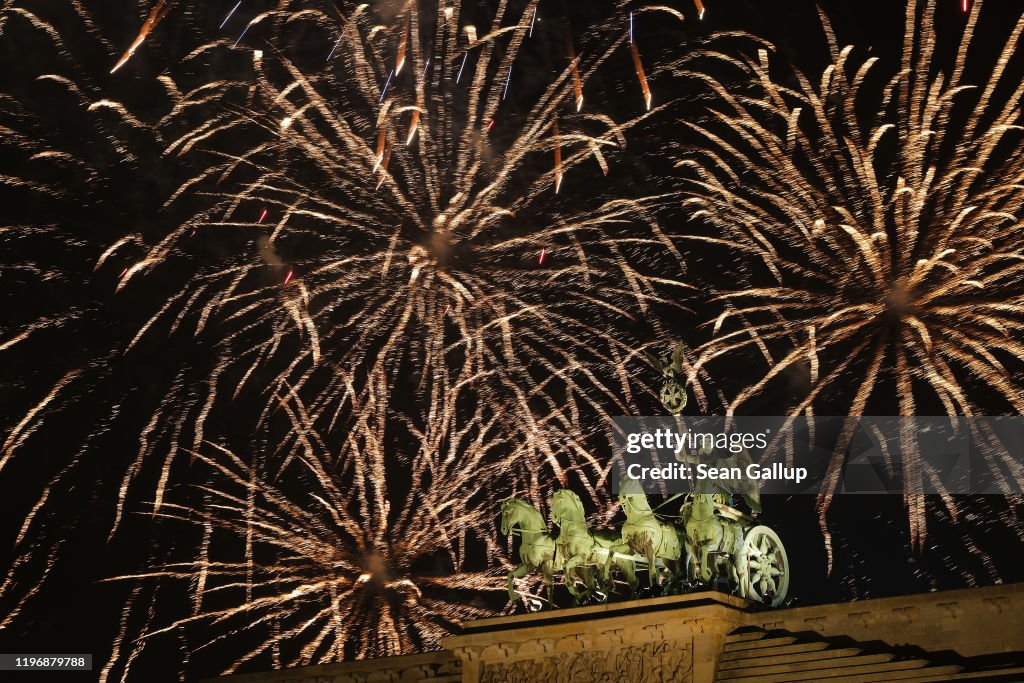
<point>654,360</point>
<point>678,357</point>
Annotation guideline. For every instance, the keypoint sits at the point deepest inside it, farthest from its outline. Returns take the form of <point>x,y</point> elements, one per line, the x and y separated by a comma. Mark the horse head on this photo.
<point>566,505</point>
<point>632,498</point>
<point>702,505</point>
<point>517,511</point>
<point>509,515</point>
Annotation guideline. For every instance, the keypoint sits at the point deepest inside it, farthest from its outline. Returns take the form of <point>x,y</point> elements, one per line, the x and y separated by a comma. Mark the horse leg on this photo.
<point>719,544</point>
<point>569,576</point>
<point>583,595</point>
<point>585,574</point>
<point>705,570</point>
<point>653,576</point>
<point>626,566</point>
<point>602,575</point>
<point>673,581</point>
<point>549,581</point>
<point>690,560</point>
<point>591,579</point>
<point>628,570</point>
<point>517,573</point>
<point>681,574</point>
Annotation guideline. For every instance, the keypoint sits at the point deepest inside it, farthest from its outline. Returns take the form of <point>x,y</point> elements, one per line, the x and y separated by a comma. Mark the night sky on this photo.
<point>63,462</point>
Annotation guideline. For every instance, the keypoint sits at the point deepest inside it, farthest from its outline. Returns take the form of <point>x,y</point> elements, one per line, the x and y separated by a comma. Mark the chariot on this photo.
<point>750,556</point>
<point>708,544</point>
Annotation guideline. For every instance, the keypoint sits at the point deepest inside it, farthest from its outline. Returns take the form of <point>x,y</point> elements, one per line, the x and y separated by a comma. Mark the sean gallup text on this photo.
<point>678,470</point>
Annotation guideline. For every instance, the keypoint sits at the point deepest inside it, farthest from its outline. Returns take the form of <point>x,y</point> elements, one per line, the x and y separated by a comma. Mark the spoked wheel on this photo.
<point>763,567</point>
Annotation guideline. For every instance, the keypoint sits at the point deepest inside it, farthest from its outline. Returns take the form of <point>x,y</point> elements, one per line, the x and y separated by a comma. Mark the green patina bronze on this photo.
<point>673,393</point>
<point>644,534</point>
<point>537,549</point>
<point>586,554</point>
<point>707,544</point>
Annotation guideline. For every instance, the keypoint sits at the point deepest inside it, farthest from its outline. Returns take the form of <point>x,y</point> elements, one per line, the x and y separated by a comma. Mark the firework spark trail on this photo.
<point>230,14</point>
<point>577,83</point>
<point>156,15</point>
<point>645,88</point>
<point>31,233</point>
<point>894,239</point>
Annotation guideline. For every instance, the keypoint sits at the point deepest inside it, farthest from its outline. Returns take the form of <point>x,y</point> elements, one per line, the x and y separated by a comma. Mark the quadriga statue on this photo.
<point>708,543</point>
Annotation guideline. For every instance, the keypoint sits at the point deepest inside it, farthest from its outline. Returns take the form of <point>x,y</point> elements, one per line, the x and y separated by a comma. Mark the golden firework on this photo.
<point>885,204</point>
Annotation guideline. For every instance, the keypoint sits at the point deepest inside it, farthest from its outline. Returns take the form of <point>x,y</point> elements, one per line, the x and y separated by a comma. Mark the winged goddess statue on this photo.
<point>673,398</point>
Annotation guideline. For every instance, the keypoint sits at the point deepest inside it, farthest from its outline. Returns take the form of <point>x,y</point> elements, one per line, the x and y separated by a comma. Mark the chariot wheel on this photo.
<point>763,567</point>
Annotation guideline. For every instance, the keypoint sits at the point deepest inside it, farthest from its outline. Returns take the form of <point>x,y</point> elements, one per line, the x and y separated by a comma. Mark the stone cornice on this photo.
<point>699,638</point>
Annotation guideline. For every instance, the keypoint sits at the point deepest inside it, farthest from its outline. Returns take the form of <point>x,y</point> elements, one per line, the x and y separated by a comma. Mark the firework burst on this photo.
<point>887,210</point>
<point>387,218</point>
<point>366,258</point>
<point>384,213</point>
<point>322,558</point>
<point>394,208</point>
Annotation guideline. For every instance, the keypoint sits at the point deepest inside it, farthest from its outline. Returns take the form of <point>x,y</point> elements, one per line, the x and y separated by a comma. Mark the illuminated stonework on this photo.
<point>975,634</point>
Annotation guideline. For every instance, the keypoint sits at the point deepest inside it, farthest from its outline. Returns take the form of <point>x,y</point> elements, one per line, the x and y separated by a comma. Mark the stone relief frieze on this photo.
<point>654,662</point>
